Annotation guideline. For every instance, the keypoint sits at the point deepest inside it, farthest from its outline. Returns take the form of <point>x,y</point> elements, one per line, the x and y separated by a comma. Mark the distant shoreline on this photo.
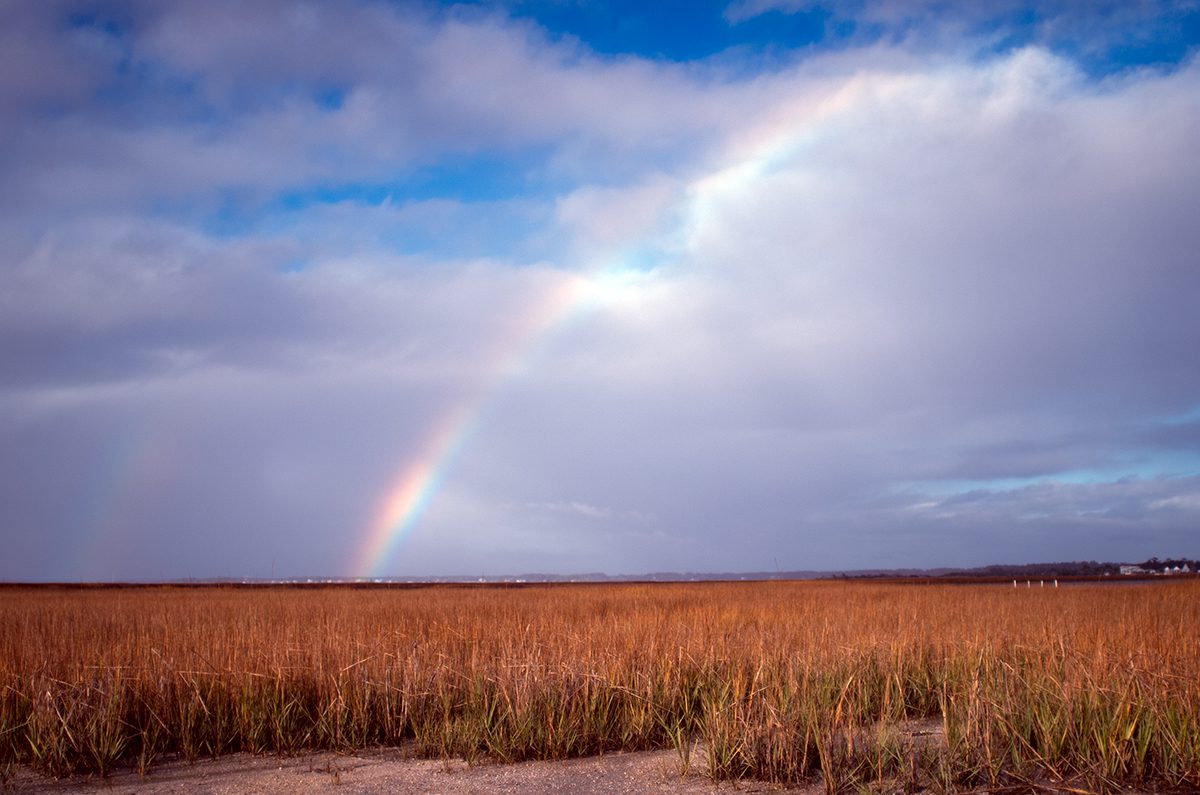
<point>508,583</point>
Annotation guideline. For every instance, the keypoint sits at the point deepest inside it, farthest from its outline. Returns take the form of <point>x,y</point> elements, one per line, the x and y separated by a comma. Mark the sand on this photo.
<point>389,771</point>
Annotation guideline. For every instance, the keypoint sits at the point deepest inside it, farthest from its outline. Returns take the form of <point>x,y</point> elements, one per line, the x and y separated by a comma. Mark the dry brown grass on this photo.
<point>1097,684</point>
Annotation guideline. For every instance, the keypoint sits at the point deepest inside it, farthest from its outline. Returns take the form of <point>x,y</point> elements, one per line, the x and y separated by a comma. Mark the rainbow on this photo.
<point>136,463</point>
<point>780,141</point>
<point>414,486</point>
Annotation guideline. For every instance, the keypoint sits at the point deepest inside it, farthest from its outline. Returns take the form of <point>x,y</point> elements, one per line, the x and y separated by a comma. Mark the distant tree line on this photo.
<point>1074,568</point>
<point>1154,564</point>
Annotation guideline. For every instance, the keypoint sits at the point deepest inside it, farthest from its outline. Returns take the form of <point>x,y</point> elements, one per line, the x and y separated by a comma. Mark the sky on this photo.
<point>366,289</point>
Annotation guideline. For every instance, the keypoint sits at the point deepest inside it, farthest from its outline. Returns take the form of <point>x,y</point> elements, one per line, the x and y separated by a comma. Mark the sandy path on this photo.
<point>387,771</point>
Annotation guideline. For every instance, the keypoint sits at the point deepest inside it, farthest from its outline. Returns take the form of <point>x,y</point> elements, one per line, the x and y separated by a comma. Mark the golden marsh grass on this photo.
<point>785,681</point>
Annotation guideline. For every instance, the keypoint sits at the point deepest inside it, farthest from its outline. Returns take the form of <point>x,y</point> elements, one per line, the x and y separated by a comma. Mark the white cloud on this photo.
<point>1183,502</point>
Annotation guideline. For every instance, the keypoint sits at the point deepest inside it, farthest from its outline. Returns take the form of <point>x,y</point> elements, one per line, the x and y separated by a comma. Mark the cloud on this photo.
<point>204,111</point>
<point>973,273</point>
<point>971,234</point>
<point>589,511</point>
<point>1150,31</point>
<point>1128,498</point>
<point>868,307</point>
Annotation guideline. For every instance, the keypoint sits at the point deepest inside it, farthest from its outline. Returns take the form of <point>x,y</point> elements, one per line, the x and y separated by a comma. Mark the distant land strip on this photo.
<point>1071,571</point>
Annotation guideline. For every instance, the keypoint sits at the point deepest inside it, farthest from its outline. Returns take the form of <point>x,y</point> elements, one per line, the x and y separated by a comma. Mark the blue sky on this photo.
<point>412,289</point>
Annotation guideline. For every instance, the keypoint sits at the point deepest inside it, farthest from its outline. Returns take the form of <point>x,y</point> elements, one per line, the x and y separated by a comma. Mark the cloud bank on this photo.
<point>274,279</point>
